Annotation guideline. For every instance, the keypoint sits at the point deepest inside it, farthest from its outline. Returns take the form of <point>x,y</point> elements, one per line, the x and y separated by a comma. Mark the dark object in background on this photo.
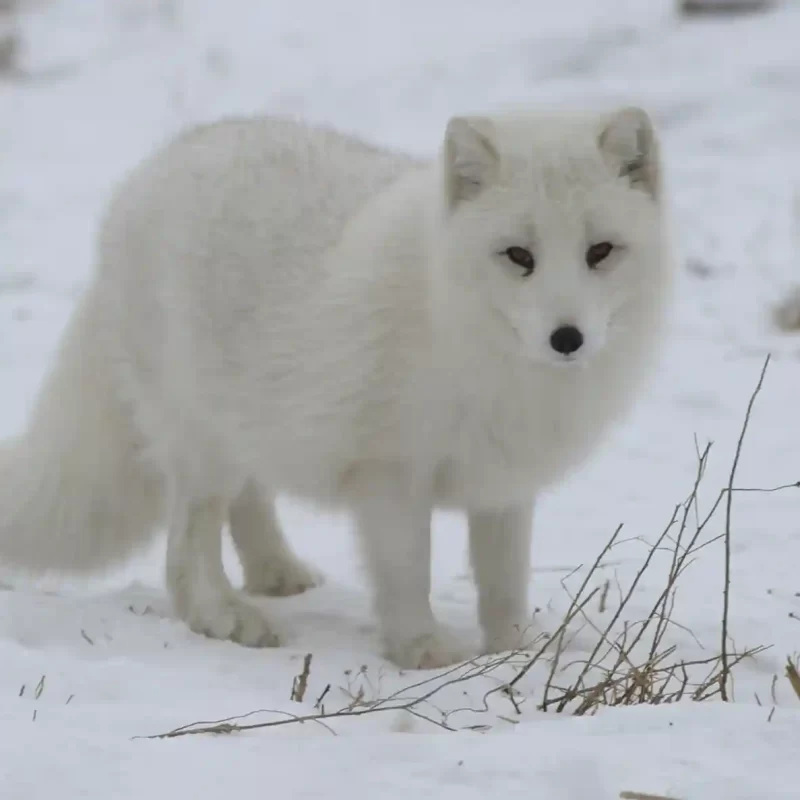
<point>9,36</point>
<point>710,7</point>
<point>787,313</point>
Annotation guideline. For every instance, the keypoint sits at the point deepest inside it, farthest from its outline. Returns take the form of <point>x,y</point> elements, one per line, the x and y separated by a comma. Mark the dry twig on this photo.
<point>300,683</point>
<point>725,672</point>
<point>793,674</point>
<point>641,796</point>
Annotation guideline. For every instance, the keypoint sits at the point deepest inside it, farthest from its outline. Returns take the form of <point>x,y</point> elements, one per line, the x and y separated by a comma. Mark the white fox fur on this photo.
<point>281,308</point>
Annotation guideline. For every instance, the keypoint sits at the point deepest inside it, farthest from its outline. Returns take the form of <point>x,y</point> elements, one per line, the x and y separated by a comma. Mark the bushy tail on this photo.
<point>74,494</point>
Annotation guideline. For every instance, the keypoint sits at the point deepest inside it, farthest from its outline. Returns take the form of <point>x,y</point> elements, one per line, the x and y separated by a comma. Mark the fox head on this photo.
<point>552,232</point>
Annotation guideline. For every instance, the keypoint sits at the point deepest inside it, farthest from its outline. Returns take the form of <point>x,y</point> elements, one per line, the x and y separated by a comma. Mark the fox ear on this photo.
<point>470,157</point>
<point>628,140</point>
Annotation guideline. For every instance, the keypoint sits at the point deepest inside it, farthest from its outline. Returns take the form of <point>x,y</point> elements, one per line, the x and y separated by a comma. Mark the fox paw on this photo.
<point>430,650</point>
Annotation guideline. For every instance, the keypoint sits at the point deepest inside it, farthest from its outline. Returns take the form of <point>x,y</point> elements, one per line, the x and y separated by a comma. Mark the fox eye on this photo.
<point>522,257</point>
<point>597,253</point>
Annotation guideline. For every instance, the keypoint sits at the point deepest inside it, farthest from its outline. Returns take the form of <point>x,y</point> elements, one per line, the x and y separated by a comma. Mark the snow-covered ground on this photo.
<point>85,669</point>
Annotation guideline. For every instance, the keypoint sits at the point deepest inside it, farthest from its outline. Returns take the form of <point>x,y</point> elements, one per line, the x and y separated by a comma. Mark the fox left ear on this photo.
<point>629,142</point>
<point>470,158</point>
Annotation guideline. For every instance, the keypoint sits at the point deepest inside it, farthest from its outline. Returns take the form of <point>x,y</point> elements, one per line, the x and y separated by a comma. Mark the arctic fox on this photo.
<point>282,308</point>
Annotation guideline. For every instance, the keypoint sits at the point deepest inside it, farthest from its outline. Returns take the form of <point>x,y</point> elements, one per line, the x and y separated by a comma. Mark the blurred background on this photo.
<point>89,87</point>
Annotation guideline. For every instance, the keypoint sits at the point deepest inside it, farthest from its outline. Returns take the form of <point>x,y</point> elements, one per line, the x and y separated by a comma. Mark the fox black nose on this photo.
<point>566,339</point>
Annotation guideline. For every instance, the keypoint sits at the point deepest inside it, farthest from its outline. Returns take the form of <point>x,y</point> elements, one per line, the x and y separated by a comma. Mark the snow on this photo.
<point>84,669</point>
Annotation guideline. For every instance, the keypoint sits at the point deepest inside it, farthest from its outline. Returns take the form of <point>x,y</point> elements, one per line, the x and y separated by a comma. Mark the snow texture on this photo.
<point>84,669</point>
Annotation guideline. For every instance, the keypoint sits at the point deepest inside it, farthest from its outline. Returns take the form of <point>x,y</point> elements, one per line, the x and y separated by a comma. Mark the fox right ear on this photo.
<point>629,141</point>
<point>470,157</point>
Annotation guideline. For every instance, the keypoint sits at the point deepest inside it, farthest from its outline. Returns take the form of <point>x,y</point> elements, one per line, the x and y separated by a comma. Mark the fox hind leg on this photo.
<point>201,592</point>
<point>270,567</point>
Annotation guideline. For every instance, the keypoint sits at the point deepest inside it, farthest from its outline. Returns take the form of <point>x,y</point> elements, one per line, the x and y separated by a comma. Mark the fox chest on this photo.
<point>504,453</point>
